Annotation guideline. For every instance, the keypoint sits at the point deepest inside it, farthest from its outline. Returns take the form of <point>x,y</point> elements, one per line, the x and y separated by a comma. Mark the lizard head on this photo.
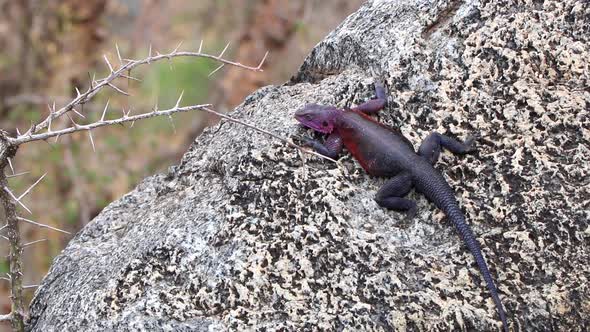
<point>317,117</point>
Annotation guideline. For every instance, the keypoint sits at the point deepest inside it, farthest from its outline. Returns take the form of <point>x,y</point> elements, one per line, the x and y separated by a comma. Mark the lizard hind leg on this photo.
<point>390,195</point>
<point>433,144</point>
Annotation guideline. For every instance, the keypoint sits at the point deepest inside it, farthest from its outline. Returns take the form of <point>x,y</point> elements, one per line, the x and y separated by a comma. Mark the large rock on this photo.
<point>249,234</point>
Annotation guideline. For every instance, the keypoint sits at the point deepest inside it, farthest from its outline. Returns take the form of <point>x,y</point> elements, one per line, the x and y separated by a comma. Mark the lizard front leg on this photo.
<point>432,145</point>
<point>330,148</point>
<point>390,195</point>
<point>374,105</point>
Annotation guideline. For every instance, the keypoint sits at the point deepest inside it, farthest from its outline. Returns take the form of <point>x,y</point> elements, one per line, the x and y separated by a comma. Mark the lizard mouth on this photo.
<point>311,124</point>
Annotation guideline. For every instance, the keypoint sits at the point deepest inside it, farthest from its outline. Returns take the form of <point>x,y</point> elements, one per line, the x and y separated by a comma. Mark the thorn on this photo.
<point>200,46</point>
<point>16,199</point>
<point>78,92</point>
<point>17,174</point>
<point>179,99</point>
<point>172,123</point>
<point>91,140</point>
<point>262,61</point>
<point>119,54</point>
<point>73,122</point>
<point>223,52</point>
<point>117,89</point>
<point>108,63</point>
<point>33,242</point>
<point>31,187</point>
<point>216,69</point>
<point>150,54</point>
<point>10,164</point>
<point>156,107</point>
<point>104,112</point>
<point>177,47</point>
<point>78,113</point>
<point>57,138</point>
<point>30,286</point>
<point>130,77</point>
<point>42,225</point>
<point>91,81</point>
<point>17,131</point>
<point>49,118</point>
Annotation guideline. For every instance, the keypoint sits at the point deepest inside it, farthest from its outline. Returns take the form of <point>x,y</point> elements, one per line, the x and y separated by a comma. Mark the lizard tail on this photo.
<point>437,190</point>
<point>456,216</point>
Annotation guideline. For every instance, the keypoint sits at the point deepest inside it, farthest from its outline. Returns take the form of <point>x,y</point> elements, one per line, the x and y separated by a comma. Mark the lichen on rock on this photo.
<point>249,234</point>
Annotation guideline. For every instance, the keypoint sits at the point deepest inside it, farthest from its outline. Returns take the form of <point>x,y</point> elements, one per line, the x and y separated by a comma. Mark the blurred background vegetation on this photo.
<point>49,47</point>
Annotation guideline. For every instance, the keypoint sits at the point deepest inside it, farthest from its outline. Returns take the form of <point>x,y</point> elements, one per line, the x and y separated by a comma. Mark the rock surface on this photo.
<point>248,234</point>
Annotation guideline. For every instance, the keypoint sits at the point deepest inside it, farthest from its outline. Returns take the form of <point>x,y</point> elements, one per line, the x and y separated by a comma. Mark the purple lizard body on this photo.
<point>385,152</point>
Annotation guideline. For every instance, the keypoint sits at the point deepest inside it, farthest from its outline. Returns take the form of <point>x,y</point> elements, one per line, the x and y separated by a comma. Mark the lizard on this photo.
<point>383,151</point>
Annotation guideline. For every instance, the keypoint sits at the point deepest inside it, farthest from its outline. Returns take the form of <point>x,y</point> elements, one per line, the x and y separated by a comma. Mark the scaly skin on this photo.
<point>385,152</point>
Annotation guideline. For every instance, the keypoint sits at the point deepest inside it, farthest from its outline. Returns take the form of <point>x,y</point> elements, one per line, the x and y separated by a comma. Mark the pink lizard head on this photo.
<point>318,117</point>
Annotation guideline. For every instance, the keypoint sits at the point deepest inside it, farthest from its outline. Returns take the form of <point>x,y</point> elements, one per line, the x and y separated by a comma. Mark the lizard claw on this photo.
<point>411,213</point>
<point>470,142</point>
<point>307,141</point>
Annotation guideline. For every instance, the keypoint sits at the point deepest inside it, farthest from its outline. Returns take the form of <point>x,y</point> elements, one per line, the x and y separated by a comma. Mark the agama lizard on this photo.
<point>383,151</point>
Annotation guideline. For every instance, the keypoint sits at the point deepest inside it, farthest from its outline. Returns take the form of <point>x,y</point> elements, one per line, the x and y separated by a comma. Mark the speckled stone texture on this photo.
<point>248,234</point>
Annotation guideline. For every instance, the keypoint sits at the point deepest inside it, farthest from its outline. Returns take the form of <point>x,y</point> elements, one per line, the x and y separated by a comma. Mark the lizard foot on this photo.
<point>470,142</point>
<point>411,213</point>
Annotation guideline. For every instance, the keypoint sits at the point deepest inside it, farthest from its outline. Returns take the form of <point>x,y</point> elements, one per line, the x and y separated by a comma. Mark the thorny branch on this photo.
<point>97,85</point>
<point>44,131</point>
<point>9,146</point>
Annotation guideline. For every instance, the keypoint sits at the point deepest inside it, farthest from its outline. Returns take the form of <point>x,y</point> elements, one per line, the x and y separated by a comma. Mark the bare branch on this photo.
<point>288,142</point>
<point>42,225</point>
<point>118,73</point>
<point>78,127</point>
<point>7,317</point>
